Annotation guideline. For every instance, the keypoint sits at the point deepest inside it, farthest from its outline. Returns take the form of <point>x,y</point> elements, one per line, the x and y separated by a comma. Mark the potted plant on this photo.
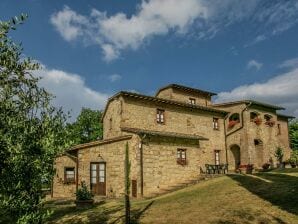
<point>279,154</point>
<point>266,166</point>
<point>232,123</point>
<point>270,123</point>
<point>84,198</point>
<point>257,121</point>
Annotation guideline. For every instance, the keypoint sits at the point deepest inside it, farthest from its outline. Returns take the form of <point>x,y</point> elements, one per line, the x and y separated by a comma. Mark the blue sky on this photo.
<point>92,49</point>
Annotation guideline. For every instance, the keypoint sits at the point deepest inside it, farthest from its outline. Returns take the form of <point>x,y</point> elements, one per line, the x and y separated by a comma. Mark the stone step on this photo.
<point>171,188</point>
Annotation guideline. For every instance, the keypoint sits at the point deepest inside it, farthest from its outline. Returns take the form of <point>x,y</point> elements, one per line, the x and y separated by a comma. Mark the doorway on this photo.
<point>98,178</point>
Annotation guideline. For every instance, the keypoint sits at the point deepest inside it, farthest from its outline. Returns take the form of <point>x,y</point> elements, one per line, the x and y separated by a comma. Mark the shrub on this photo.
<point>294,158</point>
<point>83,193</point>
<point>266,166</point>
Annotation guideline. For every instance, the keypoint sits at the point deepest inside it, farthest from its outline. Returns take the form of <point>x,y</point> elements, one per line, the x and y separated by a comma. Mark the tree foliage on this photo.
<point>293,131</point>
<point>87,127</point>
<point>32,132</point>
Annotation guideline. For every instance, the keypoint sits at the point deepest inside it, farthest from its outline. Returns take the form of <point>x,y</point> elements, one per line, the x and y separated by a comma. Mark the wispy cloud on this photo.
<point>254,64</point>
<point>70,91</point>
<point>290,63</point>
<point>114,77</point>
<point>205,19</point>
<point>281,90</point>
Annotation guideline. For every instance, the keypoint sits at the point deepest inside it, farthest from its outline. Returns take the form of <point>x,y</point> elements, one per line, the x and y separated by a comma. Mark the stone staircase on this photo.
<point>171,188</point>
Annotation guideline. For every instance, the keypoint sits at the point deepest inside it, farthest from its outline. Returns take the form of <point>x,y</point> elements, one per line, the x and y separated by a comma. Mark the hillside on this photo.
<point>261,198</point>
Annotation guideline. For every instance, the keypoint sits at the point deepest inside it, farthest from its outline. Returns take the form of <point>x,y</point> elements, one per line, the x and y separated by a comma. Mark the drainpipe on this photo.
<point>142,164</point>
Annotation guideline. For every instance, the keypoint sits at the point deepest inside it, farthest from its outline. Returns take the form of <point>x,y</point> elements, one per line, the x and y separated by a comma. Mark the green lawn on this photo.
<point>270,197</point>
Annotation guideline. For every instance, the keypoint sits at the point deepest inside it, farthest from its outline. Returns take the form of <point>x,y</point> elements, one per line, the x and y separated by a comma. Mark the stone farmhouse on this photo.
<point>171,136</point>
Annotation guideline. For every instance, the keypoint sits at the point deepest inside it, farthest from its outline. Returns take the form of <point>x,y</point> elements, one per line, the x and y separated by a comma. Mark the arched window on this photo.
<point>253,116</point>
<point>233,120</point>
<point>267,117</point>
<point>268,120</point>
<point>234,117</point>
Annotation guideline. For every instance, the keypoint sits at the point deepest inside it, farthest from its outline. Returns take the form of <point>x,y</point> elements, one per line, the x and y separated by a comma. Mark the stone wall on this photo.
<point>113,154</point>
<point>248,132</point>
<point>161,170</point>
<point>180,95</point>
<point>60,188</point>
<point>112,119</point>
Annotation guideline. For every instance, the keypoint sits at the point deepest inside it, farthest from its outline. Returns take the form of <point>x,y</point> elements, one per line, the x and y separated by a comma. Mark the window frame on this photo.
<point>160,116</point>
<point>215,121</point>
<point>216,152</point>
<point>66,178</point>
<point>179,158</point>
<point>192,101</point>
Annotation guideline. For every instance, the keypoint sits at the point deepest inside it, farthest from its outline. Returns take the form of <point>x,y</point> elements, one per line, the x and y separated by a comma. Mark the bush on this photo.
<point>83,193</point>
<point>294,158</point>
<point>266,166</point>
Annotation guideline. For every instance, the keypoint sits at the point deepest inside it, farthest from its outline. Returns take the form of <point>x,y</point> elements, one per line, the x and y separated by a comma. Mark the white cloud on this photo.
<point>69,23</point>
<point>281,90</point>
<point>114,77</point>
<point>203,19</point>
<point>70,90</point>
<point>254,64</point>
<point>291,63</point>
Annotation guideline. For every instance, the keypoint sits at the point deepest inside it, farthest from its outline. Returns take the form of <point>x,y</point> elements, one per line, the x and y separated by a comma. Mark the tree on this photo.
<point>293,132</point>
<point>127,185</point>
<point>32,132</point>
<point>87,127</point>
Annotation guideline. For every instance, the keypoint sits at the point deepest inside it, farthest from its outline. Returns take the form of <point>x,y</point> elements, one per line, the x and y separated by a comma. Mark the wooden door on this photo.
<point>98,178</point>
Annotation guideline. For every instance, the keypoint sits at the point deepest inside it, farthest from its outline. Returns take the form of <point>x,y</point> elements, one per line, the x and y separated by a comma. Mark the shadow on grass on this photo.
<point>137,214</point>
<point>279,189</point>
<point>95,214</point>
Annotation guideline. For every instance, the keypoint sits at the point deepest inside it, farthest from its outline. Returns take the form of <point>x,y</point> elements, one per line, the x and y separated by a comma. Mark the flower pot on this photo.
<point>293,165</point>
<point>83,204</point>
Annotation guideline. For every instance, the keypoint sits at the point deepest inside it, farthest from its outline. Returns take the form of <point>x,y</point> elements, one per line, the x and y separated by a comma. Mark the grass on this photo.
<point>268,197</point>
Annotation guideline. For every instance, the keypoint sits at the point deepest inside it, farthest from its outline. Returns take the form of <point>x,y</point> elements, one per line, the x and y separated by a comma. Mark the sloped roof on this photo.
<point>253,102</point>
<point>162,133</point>
<point>285,116</point>
<point>162,100</point>
<point>100,142</point>
<point>187,89</point>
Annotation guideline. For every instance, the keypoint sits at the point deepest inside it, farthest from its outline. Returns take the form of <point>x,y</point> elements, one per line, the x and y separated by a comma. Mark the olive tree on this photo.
<point>32,132</point>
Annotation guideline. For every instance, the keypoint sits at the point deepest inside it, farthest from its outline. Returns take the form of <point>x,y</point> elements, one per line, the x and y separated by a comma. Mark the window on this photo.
<point>268,120</point>
<point>278,129</point>
<point>160,116</point>
<point>215,123</point>
<point>181,156</point>
<point>69,174</point>
<point>233,120</point>
<point>253,116</point>
<point>192,101</point>
<point>258,142</point>
<point>216,152</point>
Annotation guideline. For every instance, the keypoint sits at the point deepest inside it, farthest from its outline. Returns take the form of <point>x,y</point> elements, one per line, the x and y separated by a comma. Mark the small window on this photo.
<point>215,123</point>
<point>253,116</point>
<point>192,101</point>
<point>181,156</point>
<point>160,116</point>
<point>269,120</point>
<point>278,129</point>
<point>217,161</point>
<point>69,175</point>
<point>258,142</point>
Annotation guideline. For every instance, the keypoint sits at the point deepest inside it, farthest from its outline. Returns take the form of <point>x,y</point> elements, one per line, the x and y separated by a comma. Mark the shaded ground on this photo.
<point>262,198</point>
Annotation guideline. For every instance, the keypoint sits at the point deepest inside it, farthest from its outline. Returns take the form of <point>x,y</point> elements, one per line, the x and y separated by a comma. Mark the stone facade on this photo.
<point>154,146</point>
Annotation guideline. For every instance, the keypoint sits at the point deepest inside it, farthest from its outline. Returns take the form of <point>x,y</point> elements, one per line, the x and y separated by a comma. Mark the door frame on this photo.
<point>97,178</point>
